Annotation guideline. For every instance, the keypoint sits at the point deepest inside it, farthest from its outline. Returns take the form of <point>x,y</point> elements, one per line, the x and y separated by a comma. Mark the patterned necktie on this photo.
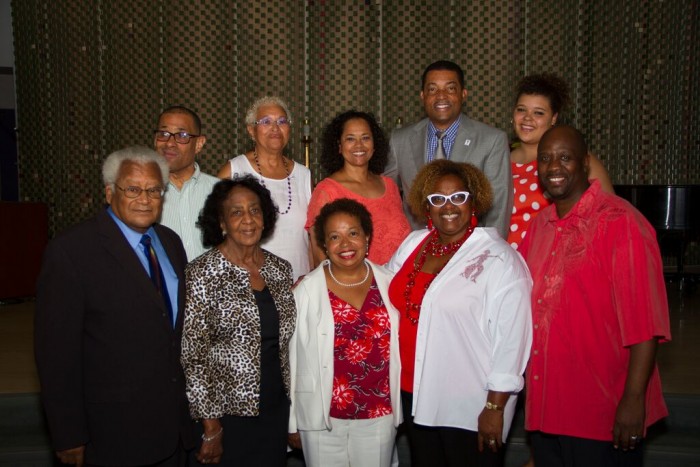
<point>440,151</point>
<point>156,274</point>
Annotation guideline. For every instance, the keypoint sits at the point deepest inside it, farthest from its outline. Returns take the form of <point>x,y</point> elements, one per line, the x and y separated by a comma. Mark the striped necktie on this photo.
<point>440,150</point>
<point>156,274</point>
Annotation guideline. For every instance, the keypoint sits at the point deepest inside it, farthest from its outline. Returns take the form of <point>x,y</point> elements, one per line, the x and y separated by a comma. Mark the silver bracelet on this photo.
<point>206,438</point>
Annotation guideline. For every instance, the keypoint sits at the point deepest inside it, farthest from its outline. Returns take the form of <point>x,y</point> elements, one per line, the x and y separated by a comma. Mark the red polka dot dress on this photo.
<point>528,201</point>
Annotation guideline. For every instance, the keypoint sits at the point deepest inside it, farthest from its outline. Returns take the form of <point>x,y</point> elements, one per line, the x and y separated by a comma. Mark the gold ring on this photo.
<point>492,442</point>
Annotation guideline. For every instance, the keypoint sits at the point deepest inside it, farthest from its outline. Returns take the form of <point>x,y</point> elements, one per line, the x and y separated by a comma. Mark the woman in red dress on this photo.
<point>540,101</point>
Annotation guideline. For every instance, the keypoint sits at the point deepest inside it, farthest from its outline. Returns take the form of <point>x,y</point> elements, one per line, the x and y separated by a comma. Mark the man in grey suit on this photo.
<point>448,133</point>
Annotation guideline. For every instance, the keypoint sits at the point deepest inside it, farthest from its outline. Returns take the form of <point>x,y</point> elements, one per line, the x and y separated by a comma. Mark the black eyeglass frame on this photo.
<point>181,137</point>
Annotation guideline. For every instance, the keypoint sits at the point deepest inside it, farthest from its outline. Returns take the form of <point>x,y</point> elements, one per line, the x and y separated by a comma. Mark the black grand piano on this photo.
<point>674,211</point>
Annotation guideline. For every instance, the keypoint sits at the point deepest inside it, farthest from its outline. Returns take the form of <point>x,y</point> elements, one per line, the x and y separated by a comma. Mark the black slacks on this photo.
<point>444,446</point>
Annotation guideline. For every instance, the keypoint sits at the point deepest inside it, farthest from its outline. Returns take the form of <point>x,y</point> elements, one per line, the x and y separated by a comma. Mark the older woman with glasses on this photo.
<point>269,122</point>
<point>465,329</point>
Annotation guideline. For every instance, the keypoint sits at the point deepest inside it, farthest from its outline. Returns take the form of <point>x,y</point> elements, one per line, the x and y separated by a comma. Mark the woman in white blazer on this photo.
<point>344,355</point>
<point>463,295</point>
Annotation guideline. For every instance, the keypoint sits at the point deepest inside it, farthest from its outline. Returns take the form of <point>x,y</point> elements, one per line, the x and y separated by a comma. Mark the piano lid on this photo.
<point>667,207</point>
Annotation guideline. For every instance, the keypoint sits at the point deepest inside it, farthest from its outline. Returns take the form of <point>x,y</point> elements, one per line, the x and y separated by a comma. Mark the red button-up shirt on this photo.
<point>598,289</point>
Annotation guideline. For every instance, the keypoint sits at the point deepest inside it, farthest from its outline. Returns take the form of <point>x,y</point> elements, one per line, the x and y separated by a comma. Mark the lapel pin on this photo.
<point>467,142</point>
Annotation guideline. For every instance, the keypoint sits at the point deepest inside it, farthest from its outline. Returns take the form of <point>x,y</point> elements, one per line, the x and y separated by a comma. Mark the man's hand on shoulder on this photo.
<point>72,456</point>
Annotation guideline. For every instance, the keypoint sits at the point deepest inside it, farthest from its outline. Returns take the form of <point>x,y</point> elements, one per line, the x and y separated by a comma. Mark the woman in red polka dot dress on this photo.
<point>540,100</point>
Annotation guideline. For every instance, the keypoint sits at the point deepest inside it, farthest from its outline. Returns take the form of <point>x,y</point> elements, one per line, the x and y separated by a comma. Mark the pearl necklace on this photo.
<point>289,181</point>
<point>354,284</point>
<point>434,248</point>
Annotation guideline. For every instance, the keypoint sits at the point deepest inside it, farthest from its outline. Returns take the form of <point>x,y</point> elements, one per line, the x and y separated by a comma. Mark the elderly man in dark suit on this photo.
<point>108,327</point>
<point>447,133</point>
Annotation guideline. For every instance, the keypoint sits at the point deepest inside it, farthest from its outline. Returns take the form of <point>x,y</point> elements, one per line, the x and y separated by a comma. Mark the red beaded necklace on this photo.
<point>434,248</point>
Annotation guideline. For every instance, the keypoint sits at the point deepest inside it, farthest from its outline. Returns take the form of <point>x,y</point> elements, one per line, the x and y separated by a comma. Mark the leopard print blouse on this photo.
<point>221,339</point>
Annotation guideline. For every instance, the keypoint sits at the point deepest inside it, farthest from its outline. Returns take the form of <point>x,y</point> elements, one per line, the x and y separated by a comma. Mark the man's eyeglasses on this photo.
<point>268,121</point>
<point>181,137</point>
<point>134,191</point>
<point>457,198</point>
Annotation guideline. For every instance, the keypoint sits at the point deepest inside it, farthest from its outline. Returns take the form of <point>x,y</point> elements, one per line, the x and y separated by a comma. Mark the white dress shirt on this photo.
<point>474,331</point>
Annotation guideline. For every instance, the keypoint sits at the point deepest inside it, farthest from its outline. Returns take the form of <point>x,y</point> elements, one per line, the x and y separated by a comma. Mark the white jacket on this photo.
<point>311,352</point>
<point>474,331</point>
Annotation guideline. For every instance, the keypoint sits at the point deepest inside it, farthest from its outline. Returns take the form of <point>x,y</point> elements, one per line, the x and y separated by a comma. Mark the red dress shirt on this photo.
<point>598,289</point>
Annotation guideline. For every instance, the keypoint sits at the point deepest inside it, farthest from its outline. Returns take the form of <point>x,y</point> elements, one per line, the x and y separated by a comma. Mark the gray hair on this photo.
<point>138,154</point>
<point>263,101</point>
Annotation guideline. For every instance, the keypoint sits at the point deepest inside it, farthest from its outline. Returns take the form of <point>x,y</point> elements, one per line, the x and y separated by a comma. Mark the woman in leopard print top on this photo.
<point>239,317</point>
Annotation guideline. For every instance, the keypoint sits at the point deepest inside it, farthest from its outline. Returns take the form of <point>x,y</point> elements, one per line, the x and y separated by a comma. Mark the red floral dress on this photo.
<point>361,358</point>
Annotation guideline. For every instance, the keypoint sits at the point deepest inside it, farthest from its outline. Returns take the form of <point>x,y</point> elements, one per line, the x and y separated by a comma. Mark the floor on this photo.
<point>17,372</point>
<point>679,360</point>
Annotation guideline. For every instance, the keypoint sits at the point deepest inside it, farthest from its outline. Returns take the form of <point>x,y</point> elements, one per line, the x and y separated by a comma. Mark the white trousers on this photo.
<point>351,443</point>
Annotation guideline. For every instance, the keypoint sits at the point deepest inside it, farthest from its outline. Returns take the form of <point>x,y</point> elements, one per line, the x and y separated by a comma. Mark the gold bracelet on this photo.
<point>491,406</point>
<point>206,439</point>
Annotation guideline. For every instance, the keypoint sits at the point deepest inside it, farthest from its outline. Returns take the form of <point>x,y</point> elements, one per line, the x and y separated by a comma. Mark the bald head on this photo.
<point>568,134</point>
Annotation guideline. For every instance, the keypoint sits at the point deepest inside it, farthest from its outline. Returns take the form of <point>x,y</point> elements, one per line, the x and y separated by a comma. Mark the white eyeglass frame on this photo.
<point>450,198</point>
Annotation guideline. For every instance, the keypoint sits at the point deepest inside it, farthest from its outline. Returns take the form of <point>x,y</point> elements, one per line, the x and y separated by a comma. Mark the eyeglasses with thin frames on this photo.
<point>457,198</point>
<point>134,192</point>
<point>268,121</point>
<point>181,137</point>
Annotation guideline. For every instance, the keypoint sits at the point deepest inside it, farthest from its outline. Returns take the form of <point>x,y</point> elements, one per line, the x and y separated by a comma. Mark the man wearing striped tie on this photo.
<point>447,133</point>
<point>108,327</point>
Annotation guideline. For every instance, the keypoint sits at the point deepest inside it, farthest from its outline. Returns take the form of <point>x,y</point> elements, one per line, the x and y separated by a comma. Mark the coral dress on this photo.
<point>389,221</point>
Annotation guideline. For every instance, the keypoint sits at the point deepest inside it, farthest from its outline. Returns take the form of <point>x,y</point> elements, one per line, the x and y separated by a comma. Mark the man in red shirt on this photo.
<point>599,311</point>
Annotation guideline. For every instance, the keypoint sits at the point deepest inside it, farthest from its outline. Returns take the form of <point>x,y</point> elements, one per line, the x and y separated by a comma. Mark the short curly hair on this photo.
<point>251,113</point>
<point>548,85</point>
<point>332,160</point>
<point>342,206</point>
<point>210,218</point>
<point>475,182</point>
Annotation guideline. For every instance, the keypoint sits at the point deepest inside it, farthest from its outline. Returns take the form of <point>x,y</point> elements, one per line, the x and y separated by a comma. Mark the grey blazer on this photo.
<point>476,143</point>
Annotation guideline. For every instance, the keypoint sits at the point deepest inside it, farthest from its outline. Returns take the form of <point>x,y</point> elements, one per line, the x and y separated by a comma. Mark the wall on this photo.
<point>7,87</point>
<point>9,190</point>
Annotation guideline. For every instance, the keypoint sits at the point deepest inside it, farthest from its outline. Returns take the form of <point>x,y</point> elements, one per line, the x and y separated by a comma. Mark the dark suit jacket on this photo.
<point>108,359</point>
<point>476,143</point>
